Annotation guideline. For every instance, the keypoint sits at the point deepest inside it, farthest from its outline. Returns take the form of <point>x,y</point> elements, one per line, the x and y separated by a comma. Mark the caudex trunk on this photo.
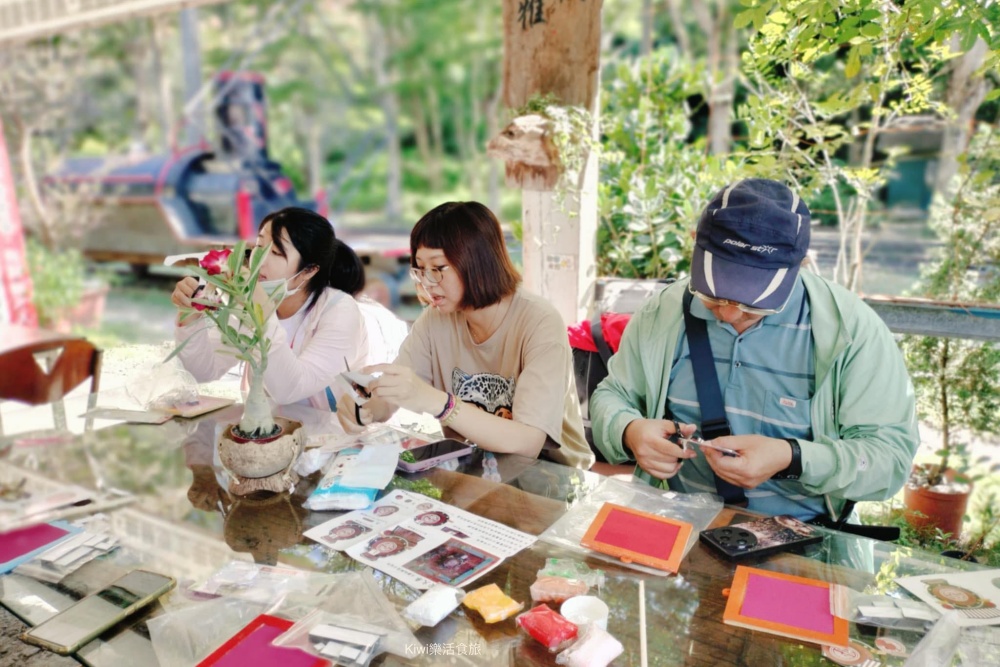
<point>257,420</point>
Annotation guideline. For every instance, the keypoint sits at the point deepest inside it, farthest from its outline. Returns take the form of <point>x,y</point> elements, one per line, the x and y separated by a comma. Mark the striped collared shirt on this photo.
<point>767,378</point>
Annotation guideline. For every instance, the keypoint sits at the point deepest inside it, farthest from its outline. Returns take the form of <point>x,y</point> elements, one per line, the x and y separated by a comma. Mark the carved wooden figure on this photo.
<point>531,158</point>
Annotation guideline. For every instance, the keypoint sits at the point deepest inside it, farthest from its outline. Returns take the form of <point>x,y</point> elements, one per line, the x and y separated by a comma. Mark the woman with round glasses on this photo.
<point>489,360</point>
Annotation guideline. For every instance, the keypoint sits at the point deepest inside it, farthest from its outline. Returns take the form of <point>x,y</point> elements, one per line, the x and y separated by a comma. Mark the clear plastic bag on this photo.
<point>939,645</point>
<point>881,610</point>
<point>187,636</point>
<point>698,509</point>
<point>163,385</point>
<point>434,605</point>
<point>595,647</point>
<point>353,601</point>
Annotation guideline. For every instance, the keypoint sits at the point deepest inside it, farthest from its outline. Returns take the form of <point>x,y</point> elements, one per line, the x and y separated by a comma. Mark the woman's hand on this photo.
<point>349,412</point>
<point>181,297</point>
<point>400,386</point>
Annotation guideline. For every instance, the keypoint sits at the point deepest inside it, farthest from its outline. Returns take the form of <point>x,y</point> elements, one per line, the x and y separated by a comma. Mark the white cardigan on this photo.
<point>333,329</point>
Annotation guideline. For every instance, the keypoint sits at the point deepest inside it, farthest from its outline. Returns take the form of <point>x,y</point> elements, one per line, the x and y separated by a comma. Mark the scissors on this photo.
<point>685,442</point>
<point>363,391</point>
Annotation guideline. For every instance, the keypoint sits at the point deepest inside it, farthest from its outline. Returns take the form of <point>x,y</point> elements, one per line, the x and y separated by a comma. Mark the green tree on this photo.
<point>827,77</point>
<point>958,380</point>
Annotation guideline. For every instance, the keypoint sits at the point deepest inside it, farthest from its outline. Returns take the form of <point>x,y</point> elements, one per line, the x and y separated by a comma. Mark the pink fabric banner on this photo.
<point>15,279</point>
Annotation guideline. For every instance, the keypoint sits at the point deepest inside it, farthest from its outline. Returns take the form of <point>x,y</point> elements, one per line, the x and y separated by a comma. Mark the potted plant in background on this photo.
<point>260,450</point>
<point>957,381</point>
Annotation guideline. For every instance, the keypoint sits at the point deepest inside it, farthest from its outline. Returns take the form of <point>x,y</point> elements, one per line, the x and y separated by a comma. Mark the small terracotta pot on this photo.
<point>940,510</point>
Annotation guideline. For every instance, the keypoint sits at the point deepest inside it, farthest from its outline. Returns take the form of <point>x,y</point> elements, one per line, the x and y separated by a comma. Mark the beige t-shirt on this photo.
<point>524,371</point>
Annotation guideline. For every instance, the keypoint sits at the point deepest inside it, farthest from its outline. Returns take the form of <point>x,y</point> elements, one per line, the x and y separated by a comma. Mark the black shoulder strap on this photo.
<point>713,408</point>
<point>597,333</point>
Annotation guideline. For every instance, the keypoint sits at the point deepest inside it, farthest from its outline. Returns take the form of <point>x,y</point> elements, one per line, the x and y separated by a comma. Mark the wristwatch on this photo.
<point>794,469</point>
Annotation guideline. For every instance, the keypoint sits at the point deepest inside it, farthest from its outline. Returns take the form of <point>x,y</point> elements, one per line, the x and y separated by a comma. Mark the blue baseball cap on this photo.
<point>750,242</point>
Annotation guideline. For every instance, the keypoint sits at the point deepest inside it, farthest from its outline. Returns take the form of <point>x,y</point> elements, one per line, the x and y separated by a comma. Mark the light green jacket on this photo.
<point>863,410</point>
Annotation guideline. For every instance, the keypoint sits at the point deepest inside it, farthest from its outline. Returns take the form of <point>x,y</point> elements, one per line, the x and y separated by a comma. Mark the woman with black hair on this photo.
<point>316,327</point>
<point>489,360</point>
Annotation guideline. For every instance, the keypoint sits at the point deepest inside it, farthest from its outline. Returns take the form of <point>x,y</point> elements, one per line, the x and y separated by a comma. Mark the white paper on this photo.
<point>421,541</point>
<point>974,595</point>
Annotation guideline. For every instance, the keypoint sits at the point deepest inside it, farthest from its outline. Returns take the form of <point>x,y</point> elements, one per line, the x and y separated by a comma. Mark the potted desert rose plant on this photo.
<point>261,449</point>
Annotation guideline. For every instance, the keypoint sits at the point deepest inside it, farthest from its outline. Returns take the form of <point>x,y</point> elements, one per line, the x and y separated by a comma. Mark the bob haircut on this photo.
<point>470,236</point>
<point>312,235</point>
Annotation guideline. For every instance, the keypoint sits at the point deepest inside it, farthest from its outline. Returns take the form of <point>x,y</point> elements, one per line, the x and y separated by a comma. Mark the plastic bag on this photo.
<point>881,610</point>
<point>492,603</point>
<point>547,627</point>
<point>352,601</point>
<point>434,605</point>
<point>557,589</point>
<point>939,645</point>
<point>698,509</point>
<point>594,648</point>
<point>163,385</point>
<point>188,635</point>
<point>332,493</point>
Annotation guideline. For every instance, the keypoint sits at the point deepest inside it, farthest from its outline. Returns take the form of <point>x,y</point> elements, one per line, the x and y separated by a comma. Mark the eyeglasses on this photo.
<point>712,301</point>
<point>432,275</point>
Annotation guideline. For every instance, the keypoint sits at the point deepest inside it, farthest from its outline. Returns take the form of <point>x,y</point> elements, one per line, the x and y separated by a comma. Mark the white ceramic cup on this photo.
<point>584,609</point>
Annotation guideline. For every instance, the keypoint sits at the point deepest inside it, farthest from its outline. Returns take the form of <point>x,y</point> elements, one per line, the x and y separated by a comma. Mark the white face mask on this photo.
<point>272,287</point>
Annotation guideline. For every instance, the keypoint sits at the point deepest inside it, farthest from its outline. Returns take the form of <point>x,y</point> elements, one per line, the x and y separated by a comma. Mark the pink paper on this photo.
<point>789,603</point>
<point>23,541</point>
<point>255,650</point>
<point>640,534</point>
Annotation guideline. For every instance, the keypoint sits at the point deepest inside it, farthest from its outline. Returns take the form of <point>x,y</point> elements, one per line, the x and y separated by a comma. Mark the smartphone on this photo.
<point>432,454</point>
<point>71,628</point>
<point>761,537</point>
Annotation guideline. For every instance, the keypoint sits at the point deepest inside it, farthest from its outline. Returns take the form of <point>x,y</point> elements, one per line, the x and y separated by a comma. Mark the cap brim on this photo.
<point>767,289</point>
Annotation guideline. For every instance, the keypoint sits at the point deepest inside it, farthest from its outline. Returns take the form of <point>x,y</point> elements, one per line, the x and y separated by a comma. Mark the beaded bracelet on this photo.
<point>449,405</point>
<point>450,417</point>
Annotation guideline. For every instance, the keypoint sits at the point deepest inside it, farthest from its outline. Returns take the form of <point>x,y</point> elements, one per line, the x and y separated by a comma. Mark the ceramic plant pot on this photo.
<point>264,464</point>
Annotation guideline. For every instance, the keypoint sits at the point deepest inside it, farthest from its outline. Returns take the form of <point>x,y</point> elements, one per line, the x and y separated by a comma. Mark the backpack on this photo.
<point>594,341</point>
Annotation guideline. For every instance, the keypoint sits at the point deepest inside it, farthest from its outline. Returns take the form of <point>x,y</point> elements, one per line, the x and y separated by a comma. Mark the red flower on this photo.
<point>215,261</point>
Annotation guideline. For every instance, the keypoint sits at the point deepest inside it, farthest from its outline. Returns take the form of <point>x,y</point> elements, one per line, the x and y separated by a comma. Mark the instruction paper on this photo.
<point>421,541</point>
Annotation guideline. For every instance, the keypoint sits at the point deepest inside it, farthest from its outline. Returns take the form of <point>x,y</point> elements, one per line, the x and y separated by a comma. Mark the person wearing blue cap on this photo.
<point>811,397</point>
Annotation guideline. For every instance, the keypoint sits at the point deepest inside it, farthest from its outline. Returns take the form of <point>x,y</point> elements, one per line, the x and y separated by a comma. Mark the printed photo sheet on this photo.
<point>974,595</point>
<point>421,541</point>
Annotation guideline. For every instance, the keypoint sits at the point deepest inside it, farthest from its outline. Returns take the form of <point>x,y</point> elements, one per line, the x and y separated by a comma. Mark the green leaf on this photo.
<point>853,63</point>
<point>872,30</point>
<point>743,19</point>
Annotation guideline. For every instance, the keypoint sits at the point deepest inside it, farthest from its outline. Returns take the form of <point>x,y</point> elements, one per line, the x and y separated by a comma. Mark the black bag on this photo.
<point>589,368</point>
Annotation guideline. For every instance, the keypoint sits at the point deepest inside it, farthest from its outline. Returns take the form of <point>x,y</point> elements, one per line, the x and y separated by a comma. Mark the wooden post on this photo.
<point>552,47</point>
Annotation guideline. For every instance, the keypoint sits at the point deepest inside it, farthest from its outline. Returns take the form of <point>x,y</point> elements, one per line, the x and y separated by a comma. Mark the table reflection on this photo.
<point>184,523</point>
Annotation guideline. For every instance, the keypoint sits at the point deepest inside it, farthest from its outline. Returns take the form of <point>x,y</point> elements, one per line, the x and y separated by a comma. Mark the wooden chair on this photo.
<point>44,372</point>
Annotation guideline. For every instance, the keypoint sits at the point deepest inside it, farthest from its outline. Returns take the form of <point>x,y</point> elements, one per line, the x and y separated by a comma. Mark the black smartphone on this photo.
<point>429,455</point>
<point>71,628</point>
<point>761,537</point>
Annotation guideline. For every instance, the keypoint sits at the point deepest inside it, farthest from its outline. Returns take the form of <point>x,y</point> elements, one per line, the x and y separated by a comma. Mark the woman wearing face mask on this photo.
<point>316,326</point>
<point>489,360</point>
